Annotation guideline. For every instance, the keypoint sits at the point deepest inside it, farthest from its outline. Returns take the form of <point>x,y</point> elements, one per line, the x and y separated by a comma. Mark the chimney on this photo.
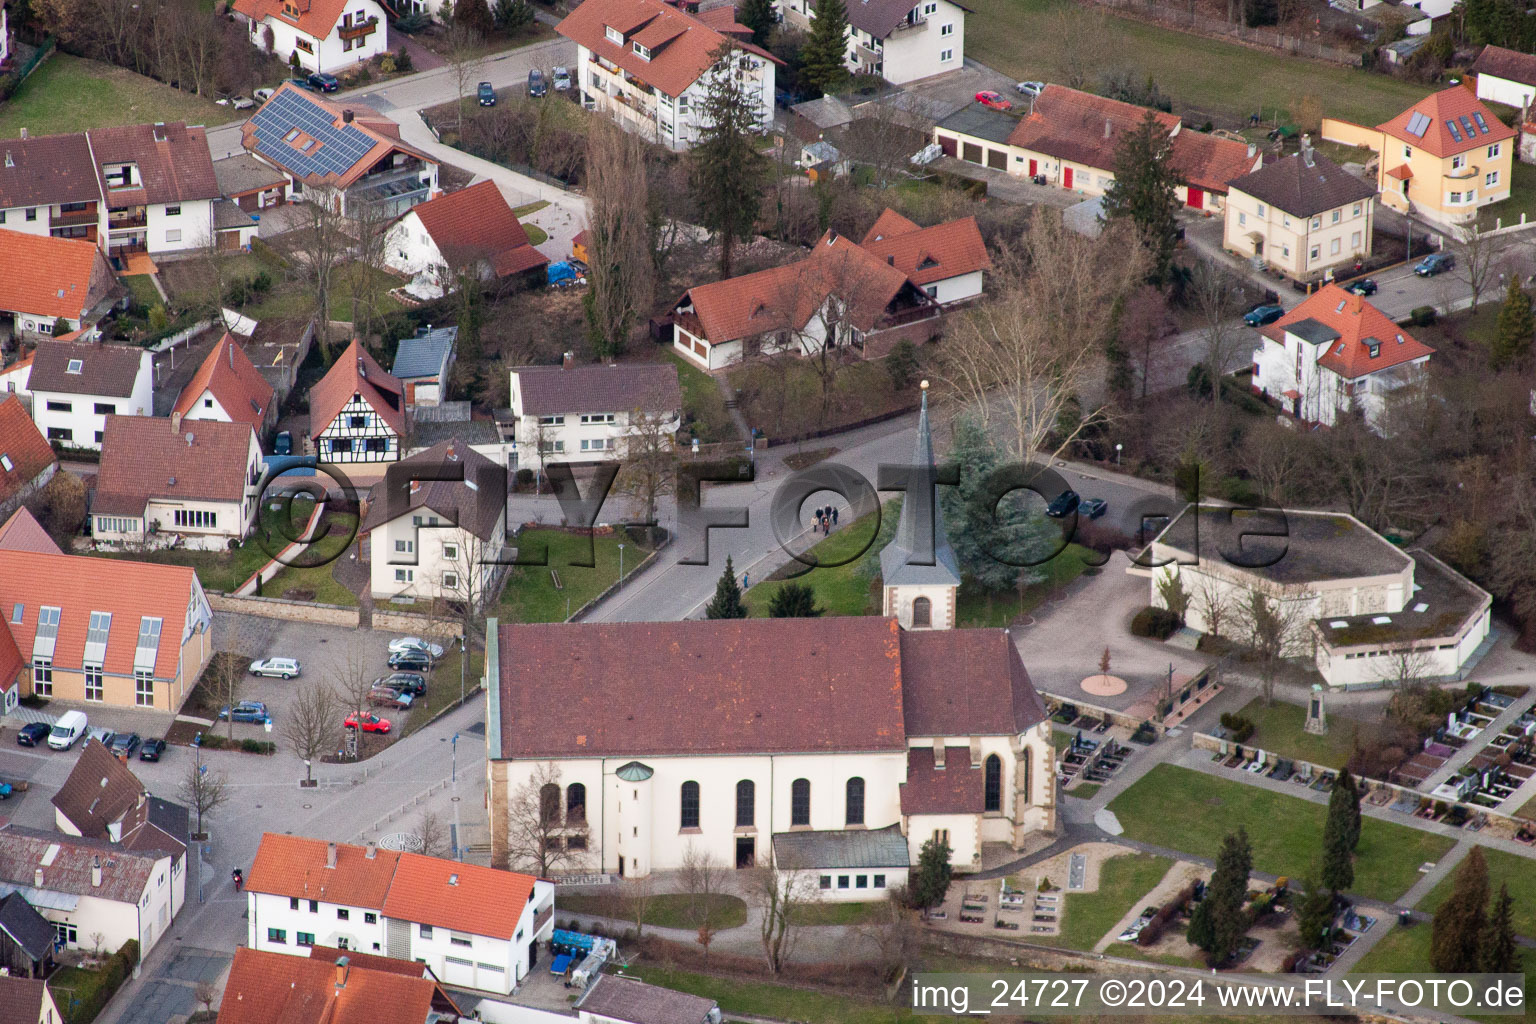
<point>8,161</point>
<point>37,878</point>
<point>341,969</point>
<point>1109,126</point>
<point>831,235</point>
<point>1252,149</point>
<point>346,116</point>
<point>373,851</point>
<point>890,260</point>
<point>938,753</point>
<point>96,873</point>
<point>568,360</point>
<point>175,422</point>
<point>330,856</point>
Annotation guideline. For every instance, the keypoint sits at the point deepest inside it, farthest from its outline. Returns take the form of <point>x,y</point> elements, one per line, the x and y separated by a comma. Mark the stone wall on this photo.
<point>413,623</point>
<point>281,608</point>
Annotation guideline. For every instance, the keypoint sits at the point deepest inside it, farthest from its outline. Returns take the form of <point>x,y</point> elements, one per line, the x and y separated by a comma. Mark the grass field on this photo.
<point>840,913</point>
<point>978,608</point>
<point>72,94</point>
<point>1522,199</point>
<point>840,589</point>
<point>1123,882</point>
<point>1017,38</point>
<point>317,579</point>
<point>1406,951</point>
<point>666,910</point>
<point>530,594</point>
<point>1519,873</point>
<point>142,287</point>
<point>1191,811</point>
<point>703,401</point>
<point>444,684</point>
<point>1280,731</point>
<point>294,299</point>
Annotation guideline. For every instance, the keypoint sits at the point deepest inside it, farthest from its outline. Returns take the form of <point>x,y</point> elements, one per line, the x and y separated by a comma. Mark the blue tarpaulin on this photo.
<point>572,940</point>
<point>560,963</point>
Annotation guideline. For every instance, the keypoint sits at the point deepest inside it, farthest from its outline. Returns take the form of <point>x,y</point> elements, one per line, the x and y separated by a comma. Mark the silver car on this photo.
<point>282,668</point>
<point>562,78</point>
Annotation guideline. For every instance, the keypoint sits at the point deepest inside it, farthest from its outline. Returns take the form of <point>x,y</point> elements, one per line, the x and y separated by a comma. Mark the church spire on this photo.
<point>920,553</point>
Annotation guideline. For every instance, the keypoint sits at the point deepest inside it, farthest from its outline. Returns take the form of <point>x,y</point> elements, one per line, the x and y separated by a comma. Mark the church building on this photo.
<point>725,735</point>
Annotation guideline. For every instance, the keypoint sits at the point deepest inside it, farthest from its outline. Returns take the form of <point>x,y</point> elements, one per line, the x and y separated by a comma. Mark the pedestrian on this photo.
<point>746,581</point>
<point>834,515</point>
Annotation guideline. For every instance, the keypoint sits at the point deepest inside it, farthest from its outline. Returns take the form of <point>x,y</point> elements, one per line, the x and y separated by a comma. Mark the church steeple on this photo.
<point>918,568</point>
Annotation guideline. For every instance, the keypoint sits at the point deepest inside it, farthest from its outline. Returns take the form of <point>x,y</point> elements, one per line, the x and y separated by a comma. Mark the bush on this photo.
<point>258,746</point>
<point>261,283</point>
<point>1158,623</point>
<point>403,56</point>
<point>1241,728</point>
<point>1422,316</point>
<point>411,24</point>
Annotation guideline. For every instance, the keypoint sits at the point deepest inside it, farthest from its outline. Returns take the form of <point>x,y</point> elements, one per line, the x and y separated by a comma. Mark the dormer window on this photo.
<point>613,34</point>
<point>644,52</point>
<point>1375,348</point>
<point>291,10</point>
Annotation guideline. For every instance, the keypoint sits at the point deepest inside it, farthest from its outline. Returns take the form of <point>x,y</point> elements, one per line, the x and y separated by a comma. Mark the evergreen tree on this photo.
<point>929,880</point>
<point>994,541</point>
<point>1119,374</point>
<point>726,604</point>
<point>757,15</point>
<point>476,14</point>
<point>1458,926</point>
<point>1516,325</point>
<point>1144,190</point>
<point>823,66</point>
<point>1314,914</point>
<point>728,171</point>
<point>1498,952</point>
<point>1219,923</point>
<point>794,601</point>
<point>1341,830</point>
<point>512,16</point>
<point>1357,792</point>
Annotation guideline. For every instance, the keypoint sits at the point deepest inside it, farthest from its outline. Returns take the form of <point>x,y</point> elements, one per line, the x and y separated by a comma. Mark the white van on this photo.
<point>67,730</point>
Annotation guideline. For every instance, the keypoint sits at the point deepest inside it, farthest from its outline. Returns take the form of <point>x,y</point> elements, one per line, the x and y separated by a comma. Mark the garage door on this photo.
<point>972,152</point>
<point>947,145</point>
<point>458,972</point>
<point>997,159</point>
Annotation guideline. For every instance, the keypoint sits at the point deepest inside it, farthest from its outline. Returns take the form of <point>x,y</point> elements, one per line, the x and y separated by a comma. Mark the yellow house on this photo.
<point>1303,215</point>
<point>1444,158</point>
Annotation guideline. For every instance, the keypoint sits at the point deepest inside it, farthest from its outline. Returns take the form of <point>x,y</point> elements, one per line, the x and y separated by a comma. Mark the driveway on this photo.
<point>172,989</point>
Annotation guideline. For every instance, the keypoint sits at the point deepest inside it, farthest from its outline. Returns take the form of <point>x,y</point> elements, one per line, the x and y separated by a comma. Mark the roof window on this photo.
<point>75,366</point>
<point>5,461</point>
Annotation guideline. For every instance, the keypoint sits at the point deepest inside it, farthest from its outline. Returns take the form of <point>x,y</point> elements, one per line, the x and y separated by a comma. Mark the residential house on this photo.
<point>26,1000</point>
<point>1363,607</point>
<point>158,185</point>
<point>45,280</point>
<point>471,232</point>
<point>102,630</point>
<point>27,461</point>
<point>423,364</point>
<point>48,186</point>
<point>228,388</point>
<point>1334,354</point>
<point>325,35</point>
<point>103,799</point>
<point>899,40</point>
<point>611,999</point>
<point>346,154</point>
<point>77,385</point>
<point>88,887</point>
<point>15,378</point>
<point>191,483</point>
<point>342,988</point>
<point>1304,215</point>
<point>26,944</point>
<point>649,65</point>
<point>357,411</point>
<point>868,296</point>
<point>472,926</point>
<point>233,228</point>
<point>1505,76</point>
<point>1069,138</point>
<point>572,413</point>
<point>441,538</point>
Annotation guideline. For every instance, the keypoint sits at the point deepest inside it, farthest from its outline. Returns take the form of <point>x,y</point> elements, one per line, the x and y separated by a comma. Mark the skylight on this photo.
<point>1451,126</point>
<point>75,366</point>
<point>1466,126</point>
<point>1418,124</point>
<point>1477,115</point>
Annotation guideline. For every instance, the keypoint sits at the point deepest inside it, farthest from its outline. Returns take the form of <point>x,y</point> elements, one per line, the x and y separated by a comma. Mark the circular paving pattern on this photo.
<point>400,842</point>
<point>1104,686</point>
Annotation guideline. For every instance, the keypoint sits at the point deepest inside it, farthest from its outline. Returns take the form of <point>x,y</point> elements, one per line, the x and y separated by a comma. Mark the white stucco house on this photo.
<point>469,232</point>
<point>1354,604</point>
<point>1505,76</point>
<point>46,280</point>
<point>423,365</point>
<point>572,413</point>
<point>474,927</point>
<point>77,385</point>
<point>899,40</point>
<point>327,35</point>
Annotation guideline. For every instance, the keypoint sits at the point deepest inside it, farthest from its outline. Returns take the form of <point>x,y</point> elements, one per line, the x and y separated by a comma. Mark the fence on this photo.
<point>1271,39</point>
<point>11,81</point>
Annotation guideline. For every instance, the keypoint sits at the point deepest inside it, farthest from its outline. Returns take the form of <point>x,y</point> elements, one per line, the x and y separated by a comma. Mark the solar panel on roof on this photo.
<point>1454,133</point>
<point>1418,124</point>
<point>1466,126</point>
<point>1481,124</point>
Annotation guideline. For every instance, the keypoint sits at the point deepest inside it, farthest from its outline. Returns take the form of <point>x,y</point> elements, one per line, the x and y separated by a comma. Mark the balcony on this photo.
<point>1462,173</point>
<point>133,217</point>
<point>359,31</point>
<point>75,218</point>
<point>912,22</point>
<point>870,55</point>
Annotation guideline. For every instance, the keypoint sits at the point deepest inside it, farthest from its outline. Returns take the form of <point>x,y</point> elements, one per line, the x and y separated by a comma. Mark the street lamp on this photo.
<point>621,563</point>
<point>1118,446</point>
<point>463,665</point>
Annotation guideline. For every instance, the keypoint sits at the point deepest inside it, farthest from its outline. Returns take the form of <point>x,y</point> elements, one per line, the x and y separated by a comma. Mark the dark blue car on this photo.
<point>1261,315</point>
<point>245,711</point>
<point>1434,263</point>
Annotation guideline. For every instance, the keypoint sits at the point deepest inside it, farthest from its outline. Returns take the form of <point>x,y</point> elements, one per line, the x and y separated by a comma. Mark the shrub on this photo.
<point>1159,623</point>
<point>1422,316</point>
<point>1241,728</point>
<point>387,64</point>
<point>403,58</point>
<point>258,746</point>
<point>411,24</point>
<point>261,283</point>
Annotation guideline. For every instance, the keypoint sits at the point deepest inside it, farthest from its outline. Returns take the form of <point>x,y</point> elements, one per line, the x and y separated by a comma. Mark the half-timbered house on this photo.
<point>357,411</point>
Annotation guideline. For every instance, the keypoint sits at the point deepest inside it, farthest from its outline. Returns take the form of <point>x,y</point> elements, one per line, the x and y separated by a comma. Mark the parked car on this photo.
<point>302,83</point>
<point>371,722</point>
<point>6,789</point>
<point>412,683</point>
<point>125,744</point>
<point>1093,507</point>
<point>324,82</point>
<point>31,734</point>
<point>415,643</point>
<point>1434,263</point>
<point>383,696</point>
<point>1063,505</point>
<point>152,749</point>
<point>101,734</point>
<point>282,668</point>
<point>1031,89</point>
<point>242,103</point>
<point>244,711</point>
<point>414,661</point>
<point>988,98</point>
<point>282,444</point>
<point>66,732</point>
<point>1364,286</point>
<point>487,95</point>
<point>1258,316</point>
<point>262,95</point>
<point>562,78</point>
<point>537,86</point>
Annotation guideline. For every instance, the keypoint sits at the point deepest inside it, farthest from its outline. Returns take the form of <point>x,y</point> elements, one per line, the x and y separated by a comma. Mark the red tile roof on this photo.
<point>295,866</point>
<point>175,164</point>
<point>21,532</point>
<point>956,788</point>
<point>682,45</point>
<point>464,897</point>
<point>316,17</point>
<point>927,255</point>
<point>1080,127</point>
<point>49,277</point>
<point>22,446</point>
<point>145,458</point>
<point>476,223</point>
<point>235,383</point>
<point>1444,106</point>
<point>275,988</point>
<point>1357,322</point>
<point>998,698</point>
<point>356,372</point>
<point>888,225</point>
<point>1210,163</point>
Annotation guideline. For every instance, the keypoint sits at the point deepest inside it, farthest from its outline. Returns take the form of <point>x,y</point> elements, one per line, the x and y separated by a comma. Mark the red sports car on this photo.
<point>371,722</point>
<point>988,98</point>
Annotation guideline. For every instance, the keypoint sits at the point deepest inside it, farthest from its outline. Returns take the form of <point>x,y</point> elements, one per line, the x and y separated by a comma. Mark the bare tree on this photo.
<point>1477,257</point>
<point>468,581</point>
<point>320,244</point>
<point>639,894</point>
<point>621,267</point>
<point>369,223</point>
<point>1077,36</point>
<point>1214,600</point>
<point>310,725</point>
<point>226,681</point>
<point>203,789</point>
<point>1406,666</point>
<point>777,895</point>
<point>1273,630</point>
<point>1217,300</point>
<point>702,876</point>
<point>892,129</point>
<point>431,834</point>
<point>1278,459</point>
<point>1145,325</point>
<point>206,992</point>
<point>893,935</point>
<point>649,470</point>
<point>352,683</point>
<point>464,46</point>
<point>540,836</point>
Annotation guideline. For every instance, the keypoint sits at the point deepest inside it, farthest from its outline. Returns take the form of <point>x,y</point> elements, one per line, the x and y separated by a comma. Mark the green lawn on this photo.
<point>1522,199</point>
<point>1406,951</point>
<point>1191,811</point>
<point>1131,951</point>
<point>72,94</point>
<point>666,910</point>
<point>530,594</point>
<point>840,589</point>
<point>702,401</point>
<point>1085,790</point>
<point>445,683</point>
<point>75,992</point>
<point>1527,810</point>
<point>529,209</point>
<point>1124,882</point>
<point>1280,731</point>
<point>840,913</point>
<point>777,1001</point>
<point>294,299</point>
<point>317,579</point>
<point>142,287</point>
<point>1519,873</point>
<point>1016,37</point>
<point>979,608</point>
<point>536,234</point>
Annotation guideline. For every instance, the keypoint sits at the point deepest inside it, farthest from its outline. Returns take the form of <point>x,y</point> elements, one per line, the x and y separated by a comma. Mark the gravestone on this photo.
<point>1317,715</point>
